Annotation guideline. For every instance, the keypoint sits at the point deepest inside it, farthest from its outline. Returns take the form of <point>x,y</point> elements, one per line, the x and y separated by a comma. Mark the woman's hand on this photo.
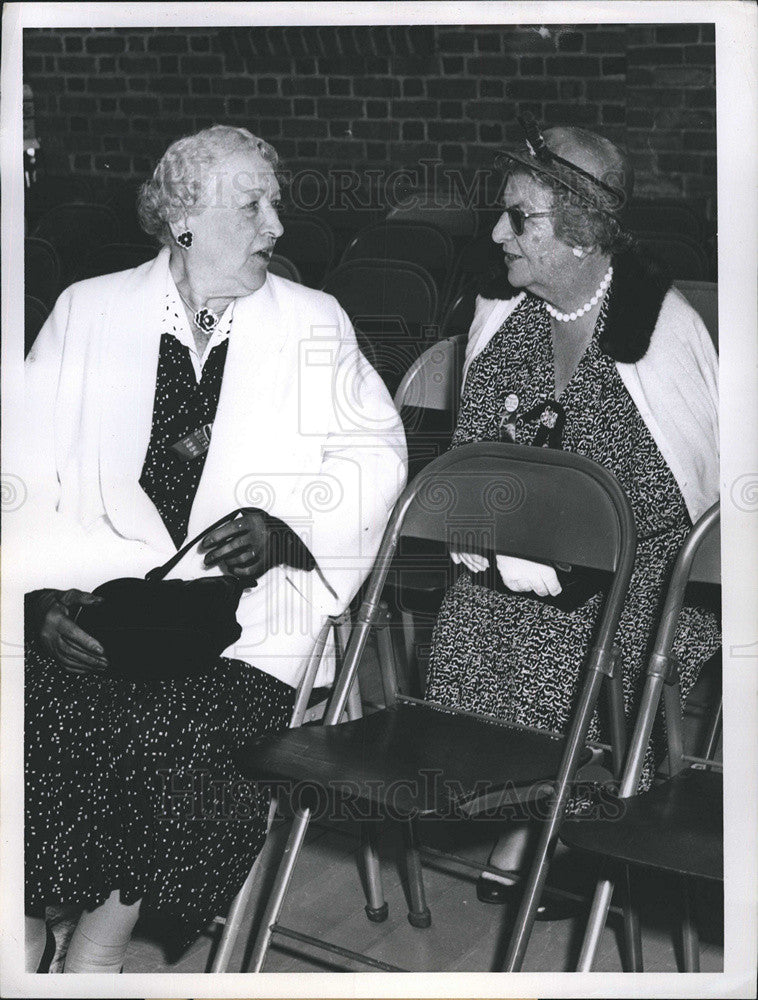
<point>522,575</point>
<point>240,547</point>
<point>62,638</point>
<point>472,561</point>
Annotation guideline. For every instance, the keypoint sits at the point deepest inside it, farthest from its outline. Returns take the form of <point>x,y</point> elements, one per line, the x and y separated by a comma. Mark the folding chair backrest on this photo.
<point>459,315</point>
<point>75,230</point>
<point>537,503</point>
<point>699,560</point>
<point>284,268</point>
<point>392,305</point>
<point>384,290</point>
<point>431,383</point>
<point>308,242</point>
<point>116,257</point>
<point>42,270</point>
<point>427,400</point>
<point>685,258</point>
<point>480,269</point>
<point>674,217</point>
<point>426,206</point>
<point>703,296</point>
<point>419,242</point>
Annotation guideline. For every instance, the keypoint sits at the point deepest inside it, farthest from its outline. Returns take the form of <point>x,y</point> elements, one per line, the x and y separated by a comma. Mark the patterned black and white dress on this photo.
<point>133,786</point>
<point>516,657</point>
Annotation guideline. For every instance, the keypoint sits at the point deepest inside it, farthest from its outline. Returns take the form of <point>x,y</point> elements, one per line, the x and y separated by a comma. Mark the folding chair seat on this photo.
<point>676,827</point>
<point>392,305</point>
<point>284,268</point>
<point>75,230</point>
<point>416,759</point>
<point>418,242</point>
<point>116,257</point>
<point>35,314</point>
<point>703,296</point>
<point>308,242</point>
<point>42,270</point>
<point>685,258</point>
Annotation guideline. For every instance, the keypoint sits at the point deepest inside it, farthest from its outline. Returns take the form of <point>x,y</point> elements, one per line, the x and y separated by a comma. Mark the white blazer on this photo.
<point>305,429</point>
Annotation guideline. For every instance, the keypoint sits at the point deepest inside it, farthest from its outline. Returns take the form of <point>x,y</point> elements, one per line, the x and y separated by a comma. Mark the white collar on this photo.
<point>176,324</point>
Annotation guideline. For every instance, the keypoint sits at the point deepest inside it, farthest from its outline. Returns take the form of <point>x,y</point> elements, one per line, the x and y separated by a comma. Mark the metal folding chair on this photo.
<point>435,208</point>
<point>419,242</point>
<point>676,826</point>
<point>308,242</point>
<point>530,502</point>
<point>303,711</point>
<point>116,257</point>
<point>75,230</point>
<point>685,257</point>
<point>393,306</point>
<point>665,215</point>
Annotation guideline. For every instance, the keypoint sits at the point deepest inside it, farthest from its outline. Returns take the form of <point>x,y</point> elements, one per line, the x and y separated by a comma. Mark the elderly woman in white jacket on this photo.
<point>159,400</point>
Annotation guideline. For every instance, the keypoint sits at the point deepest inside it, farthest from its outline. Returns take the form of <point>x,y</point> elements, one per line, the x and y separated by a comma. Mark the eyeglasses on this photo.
<point>517,217</point>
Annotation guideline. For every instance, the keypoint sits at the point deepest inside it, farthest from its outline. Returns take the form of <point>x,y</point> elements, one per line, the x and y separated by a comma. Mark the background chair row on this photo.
<point>66,212</point>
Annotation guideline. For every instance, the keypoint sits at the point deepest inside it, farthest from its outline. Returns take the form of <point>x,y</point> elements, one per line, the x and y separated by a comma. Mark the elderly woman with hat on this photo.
<point>598,354</point>
<point>161,399</point>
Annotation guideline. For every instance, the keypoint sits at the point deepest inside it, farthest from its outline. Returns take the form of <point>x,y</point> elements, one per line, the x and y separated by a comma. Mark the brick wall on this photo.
<point>108,101</point>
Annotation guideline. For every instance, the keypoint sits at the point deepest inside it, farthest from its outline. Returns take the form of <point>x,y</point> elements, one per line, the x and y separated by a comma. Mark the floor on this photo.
<point>326,900</point>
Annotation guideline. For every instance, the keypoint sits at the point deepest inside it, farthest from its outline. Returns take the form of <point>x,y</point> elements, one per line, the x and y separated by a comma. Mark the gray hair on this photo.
<point>577,223</point>
<point>176,184</point>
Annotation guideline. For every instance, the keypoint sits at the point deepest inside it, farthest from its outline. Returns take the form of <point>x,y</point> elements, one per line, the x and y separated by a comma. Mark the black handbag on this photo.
<point>161,629</point>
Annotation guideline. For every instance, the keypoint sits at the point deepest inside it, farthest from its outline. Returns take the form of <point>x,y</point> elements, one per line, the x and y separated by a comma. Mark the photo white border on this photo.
<point>737,117</point>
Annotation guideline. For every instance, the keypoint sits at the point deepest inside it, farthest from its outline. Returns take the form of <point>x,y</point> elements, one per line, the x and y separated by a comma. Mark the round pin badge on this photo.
<point>511,402</point>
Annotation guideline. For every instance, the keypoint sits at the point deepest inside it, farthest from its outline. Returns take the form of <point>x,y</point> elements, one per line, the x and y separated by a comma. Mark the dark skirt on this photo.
<point>133,786</point>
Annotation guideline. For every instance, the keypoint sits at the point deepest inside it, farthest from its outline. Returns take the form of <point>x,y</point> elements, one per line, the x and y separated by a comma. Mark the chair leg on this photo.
<point>281,884</point>
<point>409,639</point>
<point>631,917</point>
<point>387,662</point>
<point>418,915</point>
<point>354,707</point>
<point>601,902</point>
<point>690,937</point>
<point>616,717</point>
<point>376,907</point>
<point>240,902</point>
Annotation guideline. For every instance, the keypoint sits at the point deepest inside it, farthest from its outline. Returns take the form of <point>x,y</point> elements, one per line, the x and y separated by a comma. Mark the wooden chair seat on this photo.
<point>408,761</point>
<point>676,827</point>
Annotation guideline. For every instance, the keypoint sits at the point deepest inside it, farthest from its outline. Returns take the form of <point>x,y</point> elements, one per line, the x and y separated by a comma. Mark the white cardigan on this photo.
<point>674,387</point>
<point>305,429</point>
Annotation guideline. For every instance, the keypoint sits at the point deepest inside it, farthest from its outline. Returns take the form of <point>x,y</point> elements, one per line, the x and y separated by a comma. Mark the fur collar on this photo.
<point>637,291</point>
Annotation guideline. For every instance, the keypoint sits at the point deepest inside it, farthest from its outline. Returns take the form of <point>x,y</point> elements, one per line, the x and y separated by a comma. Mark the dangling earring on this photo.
<point>578,252</point>
<point>184,239</point>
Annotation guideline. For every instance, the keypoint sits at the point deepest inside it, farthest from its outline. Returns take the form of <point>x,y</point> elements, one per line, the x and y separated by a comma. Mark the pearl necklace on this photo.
<point>570,317</point>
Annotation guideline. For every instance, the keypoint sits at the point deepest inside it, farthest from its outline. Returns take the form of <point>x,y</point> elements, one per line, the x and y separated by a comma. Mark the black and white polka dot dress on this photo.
<point>516,657</point>
<point>133,786</point>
